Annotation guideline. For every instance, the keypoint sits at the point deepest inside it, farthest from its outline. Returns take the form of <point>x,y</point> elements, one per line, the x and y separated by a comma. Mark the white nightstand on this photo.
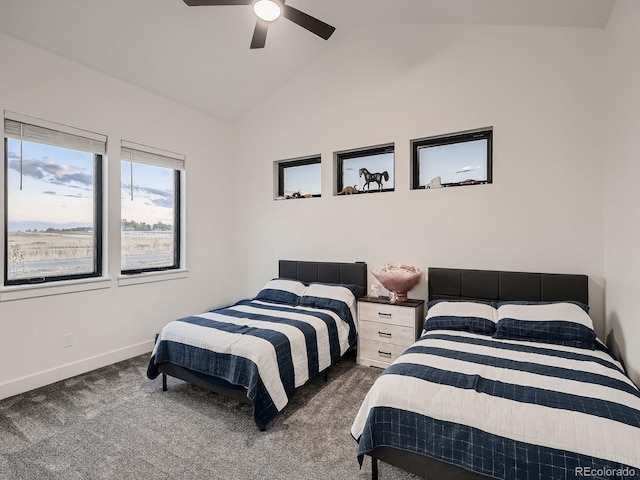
<point>386,330</point>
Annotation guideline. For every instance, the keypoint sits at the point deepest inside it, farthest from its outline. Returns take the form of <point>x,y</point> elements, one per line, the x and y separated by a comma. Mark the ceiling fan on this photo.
<point>268,11</point>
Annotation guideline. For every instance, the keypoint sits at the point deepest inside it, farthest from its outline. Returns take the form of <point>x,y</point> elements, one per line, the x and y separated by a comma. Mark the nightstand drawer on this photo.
<point>386,333</point>
<point>382,313</point>
<point>382,352</point>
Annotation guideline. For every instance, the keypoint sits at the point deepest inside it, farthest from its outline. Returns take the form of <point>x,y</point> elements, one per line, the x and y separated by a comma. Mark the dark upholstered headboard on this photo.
<point>452,283</point>
<point>325,272</point>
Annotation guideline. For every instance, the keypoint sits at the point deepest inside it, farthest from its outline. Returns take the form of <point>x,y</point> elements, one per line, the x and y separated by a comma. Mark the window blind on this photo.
<point>133,152</point>
<point>31,129</point>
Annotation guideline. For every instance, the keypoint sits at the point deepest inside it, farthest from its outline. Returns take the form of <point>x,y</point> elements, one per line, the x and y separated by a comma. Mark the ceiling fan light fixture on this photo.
<point>267,10</point>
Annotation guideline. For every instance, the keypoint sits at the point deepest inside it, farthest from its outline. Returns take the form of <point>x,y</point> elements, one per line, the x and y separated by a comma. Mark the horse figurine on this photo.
<point>373,177</point>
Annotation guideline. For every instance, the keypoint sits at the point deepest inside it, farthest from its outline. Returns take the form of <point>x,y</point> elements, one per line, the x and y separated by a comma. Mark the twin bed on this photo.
<point>258,351</point>
<point>508,380</point>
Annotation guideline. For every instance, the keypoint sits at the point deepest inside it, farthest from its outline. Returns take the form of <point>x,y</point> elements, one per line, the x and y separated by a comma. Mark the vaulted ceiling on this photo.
<point>200,56</point>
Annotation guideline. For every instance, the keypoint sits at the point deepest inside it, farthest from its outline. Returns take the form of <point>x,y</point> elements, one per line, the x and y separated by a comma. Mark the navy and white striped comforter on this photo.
<point>270,349</point>
<point>506,409</point>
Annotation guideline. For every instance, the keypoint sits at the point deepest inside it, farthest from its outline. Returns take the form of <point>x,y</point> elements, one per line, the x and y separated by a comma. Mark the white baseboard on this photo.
<point>47,377</point>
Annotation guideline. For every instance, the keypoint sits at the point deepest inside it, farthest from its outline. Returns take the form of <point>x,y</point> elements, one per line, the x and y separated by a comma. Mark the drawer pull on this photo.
<point>385,315</point>
<point>384,334</point>
<point>384,354</point>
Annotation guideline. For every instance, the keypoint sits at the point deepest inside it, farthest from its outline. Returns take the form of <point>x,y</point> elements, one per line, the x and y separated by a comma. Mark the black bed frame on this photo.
<point>492,285</point>
<point>306,272</point>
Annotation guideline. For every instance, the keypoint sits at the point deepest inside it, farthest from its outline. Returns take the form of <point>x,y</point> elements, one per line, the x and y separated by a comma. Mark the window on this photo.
<point>299,178</point>
<point>150,209</point>
<point>452,160</point>
<point>53,201</point>
<point>365,171</point>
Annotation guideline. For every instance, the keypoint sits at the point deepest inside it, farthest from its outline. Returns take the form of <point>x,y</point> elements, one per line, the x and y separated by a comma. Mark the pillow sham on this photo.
<point>560,323</point>
<point>357,290</point>
<point>337,298</point>
<point>469,316</point>
<point>281,290</point>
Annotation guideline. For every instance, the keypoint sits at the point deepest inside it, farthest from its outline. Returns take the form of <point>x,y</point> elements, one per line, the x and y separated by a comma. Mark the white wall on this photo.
<point>538,87</point>
<point>118,322</point>
<point>622,171</point>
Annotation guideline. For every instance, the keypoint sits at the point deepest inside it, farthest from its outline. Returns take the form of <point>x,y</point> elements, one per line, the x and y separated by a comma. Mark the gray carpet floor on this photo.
<point>114,423</point>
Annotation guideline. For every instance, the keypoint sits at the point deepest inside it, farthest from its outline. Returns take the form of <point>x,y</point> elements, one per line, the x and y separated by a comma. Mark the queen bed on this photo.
<point>508,381</point>
<point>259,350</point>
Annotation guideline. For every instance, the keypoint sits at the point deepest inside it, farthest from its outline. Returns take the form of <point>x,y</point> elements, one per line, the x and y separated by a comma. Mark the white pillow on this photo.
<point>469,316</point>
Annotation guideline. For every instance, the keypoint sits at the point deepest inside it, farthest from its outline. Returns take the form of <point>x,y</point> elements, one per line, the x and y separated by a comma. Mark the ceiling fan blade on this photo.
<point>260,34</point>
<point>312,24</point>
<point>197,3</point>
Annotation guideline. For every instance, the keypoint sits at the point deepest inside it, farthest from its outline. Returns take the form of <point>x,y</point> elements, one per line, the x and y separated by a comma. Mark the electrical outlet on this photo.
<point>68,340</point>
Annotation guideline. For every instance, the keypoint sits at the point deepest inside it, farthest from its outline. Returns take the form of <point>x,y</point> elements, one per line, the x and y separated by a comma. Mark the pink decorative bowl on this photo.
<point>398,279</point>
